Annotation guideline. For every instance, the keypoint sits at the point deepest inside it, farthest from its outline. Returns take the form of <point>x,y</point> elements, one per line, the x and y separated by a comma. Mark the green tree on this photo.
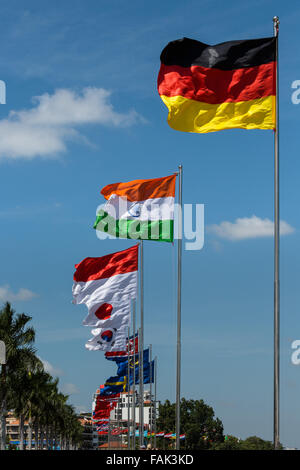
<point>250,443</point>
<point>197,422</point>
<point>20,356</point>
<point>31,392</point>
<point>256,443</point>
<point>229,443</point>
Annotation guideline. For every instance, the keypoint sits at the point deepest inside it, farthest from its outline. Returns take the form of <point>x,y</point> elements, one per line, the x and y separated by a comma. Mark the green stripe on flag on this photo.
<point>157,230</point>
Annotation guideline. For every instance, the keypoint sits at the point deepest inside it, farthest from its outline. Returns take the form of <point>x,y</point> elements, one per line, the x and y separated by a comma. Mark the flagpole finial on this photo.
<point>276,24</point>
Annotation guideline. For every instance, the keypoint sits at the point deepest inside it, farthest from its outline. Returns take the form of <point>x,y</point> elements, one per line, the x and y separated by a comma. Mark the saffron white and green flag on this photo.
<point>139,209</point>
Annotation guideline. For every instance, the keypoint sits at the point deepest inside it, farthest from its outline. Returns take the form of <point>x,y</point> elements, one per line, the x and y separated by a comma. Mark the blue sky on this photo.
<point>99,120</point>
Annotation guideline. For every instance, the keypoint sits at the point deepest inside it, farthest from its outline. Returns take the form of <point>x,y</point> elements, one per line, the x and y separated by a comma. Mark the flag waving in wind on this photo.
<point>106,285</point>
<point>228,85</point>
<point>139,209</point>
<point>132,345</point>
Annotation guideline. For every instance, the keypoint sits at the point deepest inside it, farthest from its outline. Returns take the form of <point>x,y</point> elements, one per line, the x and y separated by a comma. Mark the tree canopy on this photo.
<point>28,390</point>
<point>197,422</point>
<point>202,429</point>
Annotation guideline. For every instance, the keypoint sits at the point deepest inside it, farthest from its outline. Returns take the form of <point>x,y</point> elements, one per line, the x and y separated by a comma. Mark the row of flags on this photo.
<point>140,209</point>
<point>103,428</point>
<point>205,88</point>
<point>109,393</point>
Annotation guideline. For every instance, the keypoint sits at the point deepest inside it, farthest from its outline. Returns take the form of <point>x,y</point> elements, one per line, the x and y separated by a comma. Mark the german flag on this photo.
<point>210,88</point>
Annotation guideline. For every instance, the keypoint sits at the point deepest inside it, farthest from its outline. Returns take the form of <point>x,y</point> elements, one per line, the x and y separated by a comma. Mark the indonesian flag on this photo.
<point>139,209</point>
<point>106,285</point>
<point>109,277</point>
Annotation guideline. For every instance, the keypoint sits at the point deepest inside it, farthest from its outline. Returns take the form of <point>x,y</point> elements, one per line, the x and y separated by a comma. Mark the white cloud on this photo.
<point>55,372</point>
<point>69,389</point>
<point>252,227</point>
<point>6,295</point>
<point>43,130</point>
<point>82,409</point>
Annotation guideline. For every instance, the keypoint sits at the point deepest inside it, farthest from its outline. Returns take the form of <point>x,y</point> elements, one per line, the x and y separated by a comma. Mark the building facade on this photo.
<point>118,424</point>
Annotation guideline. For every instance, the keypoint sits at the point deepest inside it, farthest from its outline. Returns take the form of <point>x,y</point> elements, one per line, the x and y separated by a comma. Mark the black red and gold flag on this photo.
<point>225,86</point>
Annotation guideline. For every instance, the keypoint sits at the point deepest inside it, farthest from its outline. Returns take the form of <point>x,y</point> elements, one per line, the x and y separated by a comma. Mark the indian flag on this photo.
<point>139,209</point>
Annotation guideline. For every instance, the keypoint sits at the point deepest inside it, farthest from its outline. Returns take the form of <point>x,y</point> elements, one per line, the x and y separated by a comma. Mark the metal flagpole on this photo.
<point>108,435</point>
<point>179,261</point>
<point>276,253</point>
<point>150,409</point>
<point>141,364</point>
<point>133,372</point>
<point>155,380</point>
<point>128,389</point>
<point>140,393</point>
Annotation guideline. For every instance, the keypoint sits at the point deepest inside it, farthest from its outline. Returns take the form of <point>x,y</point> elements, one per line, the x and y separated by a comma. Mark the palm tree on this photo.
<point>30,391</point>
<point>20,356</point>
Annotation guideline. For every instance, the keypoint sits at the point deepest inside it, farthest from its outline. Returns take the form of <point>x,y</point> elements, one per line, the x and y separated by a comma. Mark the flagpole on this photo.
<point>128,388</point>
<point>133,372</point>
<point>150,409</point>
<point>276,254</point>
<point>140,392</point>
<point>179,261</point>
<point>155,379</point>
<point>141,364</point>
<point>108,435</point>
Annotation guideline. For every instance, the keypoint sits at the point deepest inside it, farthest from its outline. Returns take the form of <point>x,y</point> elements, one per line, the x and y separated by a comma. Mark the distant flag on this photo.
<point>148,369</point>
<point>107,339</point>
<point>173,436</point>
<point>123,362</point>
<point>160,434</point>
<point>103,408</point>
<point>132,343</point>
<point>139,209</point>
<point>168,435</point>
<point>102,427</point>
<point>114,385</point>
<point>229,85</point>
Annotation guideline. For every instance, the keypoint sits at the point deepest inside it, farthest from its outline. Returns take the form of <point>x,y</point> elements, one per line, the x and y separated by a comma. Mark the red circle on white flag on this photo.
<point>104,311</point>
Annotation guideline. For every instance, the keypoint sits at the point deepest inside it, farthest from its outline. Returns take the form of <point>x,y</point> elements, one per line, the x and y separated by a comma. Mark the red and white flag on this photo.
<point>106,279</point>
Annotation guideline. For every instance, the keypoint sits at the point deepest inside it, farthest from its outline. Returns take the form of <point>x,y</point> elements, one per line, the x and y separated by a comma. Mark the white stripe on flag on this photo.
<point>113,288</point>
